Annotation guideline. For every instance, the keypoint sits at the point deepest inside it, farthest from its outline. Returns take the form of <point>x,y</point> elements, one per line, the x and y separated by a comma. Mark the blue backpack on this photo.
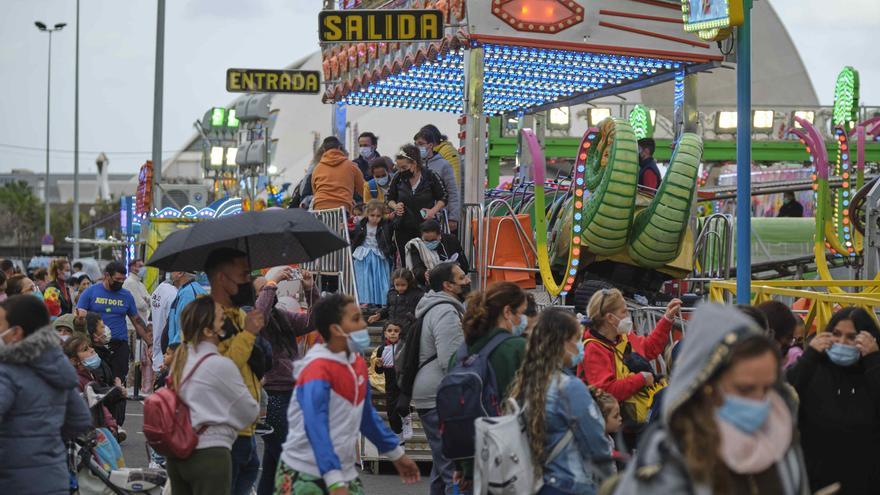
<point>469,391</point>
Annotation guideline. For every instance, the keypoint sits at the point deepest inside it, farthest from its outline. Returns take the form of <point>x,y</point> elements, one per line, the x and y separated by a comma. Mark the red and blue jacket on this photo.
<point>331,407</point>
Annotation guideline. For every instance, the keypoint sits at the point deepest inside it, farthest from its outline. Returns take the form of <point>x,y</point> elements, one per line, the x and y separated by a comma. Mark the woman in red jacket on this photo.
<point>617,360</point>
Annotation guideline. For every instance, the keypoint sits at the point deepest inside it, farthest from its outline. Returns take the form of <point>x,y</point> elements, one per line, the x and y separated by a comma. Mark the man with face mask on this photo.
<point>115,305</point>
<point>232,287</point>
<point>440,311</point>
<point>38,401</point>
<point>367,152</point>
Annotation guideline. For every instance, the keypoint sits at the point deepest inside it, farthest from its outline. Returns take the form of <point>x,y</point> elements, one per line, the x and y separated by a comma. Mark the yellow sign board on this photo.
<point>344,26</point>
<point>273,81</point>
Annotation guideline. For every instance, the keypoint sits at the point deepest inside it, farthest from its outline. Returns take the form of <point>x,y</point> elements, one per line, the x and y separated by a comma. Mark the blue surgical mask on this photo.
<point>423,152</point>
<point>142,272</point>
<point>366,151</point>
<point>520,327</point>
<point>843,355</point>
<point>382,181</point>
<point>38,293</point>
<point>359,341</point>
<point>576,359</point>
<point>432,245</point>
<point>92,362</point>
<point>747,415</point>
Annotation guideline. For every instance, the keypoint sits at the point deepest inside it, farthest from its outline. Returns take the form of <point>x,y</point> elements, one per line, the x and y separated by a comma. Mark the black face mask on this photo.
<point>406,174</point>
<point>465,290</point>
<point>245,295</point>
<point>115,285</point>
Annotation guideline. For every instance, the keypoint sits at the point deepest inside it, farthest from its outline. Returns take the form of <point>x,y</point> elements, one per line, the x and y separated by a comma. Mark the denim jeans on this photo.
<point>441,471</point>
<point>245,465</point>
<point>276,417</point>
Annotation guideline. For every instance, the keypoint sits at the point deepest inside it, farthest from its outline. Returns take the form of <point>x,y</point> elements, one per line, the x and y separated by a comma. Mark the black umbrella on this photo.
<point>269,237</point>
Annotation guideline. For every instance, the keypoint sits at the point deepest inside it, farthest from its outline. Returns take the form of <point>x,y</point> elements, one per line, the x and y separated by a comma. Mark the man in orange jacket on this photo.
<point>335,178</point>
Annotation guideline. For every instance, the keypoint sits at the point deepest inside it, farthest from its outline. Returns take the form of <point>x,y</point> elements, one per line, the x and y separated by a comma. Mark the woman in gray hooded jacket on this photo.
<point>728,422</point>
<point>39,402</point>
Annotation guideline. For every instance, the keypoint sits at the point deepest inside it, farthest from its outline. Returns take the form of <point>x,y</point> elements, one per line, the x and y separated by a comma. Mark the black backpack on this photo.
<point>406,362</point>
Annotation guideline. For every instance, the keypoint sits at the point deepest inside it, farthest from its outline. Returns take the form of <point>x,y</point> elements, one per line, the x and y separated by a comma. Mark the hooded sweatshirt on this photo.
<point>39,406</point>
<point>450,154</point>
<point>443,169</point>
<point>331,407</point>
<point>441,337</point>
<point>659,467</point>
<point>216,396</point>
<point>335,180</point>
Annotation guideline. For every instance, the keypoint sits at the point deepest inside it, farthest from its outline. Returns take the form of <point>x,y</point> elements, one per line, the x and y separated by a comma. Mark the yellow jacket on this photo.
<point>368,195</point>
<point>238,348</point>
<point>450,154</point>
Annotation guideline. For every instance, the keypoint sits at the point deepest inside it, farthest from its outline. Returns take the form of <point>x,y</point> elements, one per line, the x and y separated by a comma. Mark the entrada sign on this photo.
<point>339,26</point>
<point>273,81</point>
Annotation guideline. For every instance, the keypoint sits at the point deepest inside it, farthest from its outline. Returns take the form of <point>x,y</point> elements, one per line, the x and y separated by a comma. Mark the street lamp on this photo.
<point>43,28</point>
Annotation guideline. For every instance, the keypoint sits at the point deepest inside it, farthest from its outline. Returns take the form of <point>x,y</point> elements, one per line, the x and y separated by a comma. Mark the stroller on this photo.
<point>96,458</point>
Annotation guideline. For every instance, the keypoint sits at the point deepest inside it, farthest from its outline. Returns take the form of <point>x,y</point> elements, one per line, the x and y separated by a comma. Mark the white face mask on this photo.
<point>624,326</point>
<point>3,342</point>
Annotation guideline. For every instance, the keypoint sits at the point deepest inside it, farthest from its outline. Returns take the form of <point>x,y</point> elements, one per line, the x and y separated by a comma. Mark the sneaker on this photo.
<point>121,435</point>
<point>407,432</point>
<point>263,429</point>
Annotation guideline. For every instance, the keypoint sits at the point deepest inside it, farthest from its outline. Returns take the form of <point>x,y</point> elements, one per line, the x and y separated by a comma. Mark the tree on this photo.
<point>20,213</point>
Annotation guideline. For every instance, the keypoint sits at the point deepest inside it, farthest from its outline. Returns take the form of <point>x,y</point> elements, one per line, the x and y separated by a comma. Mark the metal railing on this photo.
<point>339,263</point>
<point>713,250</point>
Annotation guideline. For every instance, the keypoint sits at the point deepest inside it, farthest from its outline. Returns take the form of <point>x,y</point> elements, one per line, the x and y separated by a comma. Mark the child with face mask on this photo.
<point>373,254</point>
<point>385,364</point>
<point>88,369</point>
<point>332,406</point>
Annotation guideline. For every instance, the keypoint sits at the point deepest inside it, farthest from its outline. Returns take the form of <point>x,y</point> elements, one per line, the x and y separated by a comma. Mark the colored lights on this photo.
<point>642,121</point>
<point>514,78</point>
<point>846,97</point>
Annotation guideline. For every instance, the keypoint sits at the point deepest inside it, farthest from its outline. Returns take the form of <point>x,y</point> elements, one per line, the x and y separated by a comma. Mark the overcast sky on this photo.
<point>205,37</point>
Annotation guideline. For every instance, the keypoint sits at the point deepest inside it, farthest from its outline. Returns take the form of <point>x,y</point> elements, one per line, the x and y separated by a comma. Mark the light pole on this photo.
<point>43,28</point>
<point>76,232</point>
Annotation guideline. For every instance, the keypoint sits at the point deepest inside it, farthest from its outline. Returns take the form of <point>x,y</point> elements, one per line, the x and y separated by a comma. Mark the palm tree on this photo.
<point>20,210</point>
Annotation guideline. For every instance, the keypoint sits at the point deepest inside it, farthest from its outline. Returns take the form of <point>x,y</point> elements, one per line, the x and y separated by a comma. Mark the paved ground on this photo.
<point>134,449</point>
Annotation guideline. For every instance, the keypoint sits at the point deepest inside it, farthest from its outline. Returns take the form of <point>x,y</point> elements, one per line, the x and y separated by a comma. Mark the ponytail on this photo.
<point>484,308</point>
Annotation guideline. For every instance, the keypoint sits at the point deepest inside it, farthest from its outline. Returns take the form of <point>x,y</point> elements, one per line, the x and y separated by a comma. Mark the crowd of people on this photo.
<point>741,404</point>
<point>748,400</point>
<point>403,210</point>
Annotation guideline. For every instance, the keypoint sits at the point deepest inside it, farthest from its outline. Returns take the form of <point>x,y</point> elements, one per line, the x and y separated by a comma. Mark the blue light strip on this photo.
<point>515,79</point>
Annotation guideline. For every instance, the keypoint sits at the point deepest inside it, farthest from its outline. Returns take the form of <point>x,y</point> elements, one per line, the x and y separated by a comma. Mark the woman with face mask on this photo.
<point>415,194</point>
<point>40,406</point>
<point>728,424</point>
<point>88,366</point>
<point>564,404</point>
<point>498,310</point>
<point>838,381</point>
<point>218,400</point>
<point>617,360</point>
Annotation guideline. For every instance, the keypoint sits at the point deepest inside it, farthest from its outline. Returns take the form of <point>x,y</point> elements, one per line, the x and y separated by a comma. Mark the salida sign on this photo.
<point>342,26</point>
<point>273,81</point>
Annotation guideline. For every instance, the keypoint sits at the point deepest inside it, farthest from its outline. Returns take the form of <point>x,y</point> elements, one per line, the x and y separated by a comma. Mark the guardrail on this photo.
<point>339,263</point>
<point>822,304</point>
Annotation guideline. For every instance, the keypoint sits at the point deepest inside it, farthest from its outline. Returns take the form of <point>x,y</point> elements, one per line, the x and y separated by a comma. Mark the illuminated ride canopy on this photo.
<point>536,54</point>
